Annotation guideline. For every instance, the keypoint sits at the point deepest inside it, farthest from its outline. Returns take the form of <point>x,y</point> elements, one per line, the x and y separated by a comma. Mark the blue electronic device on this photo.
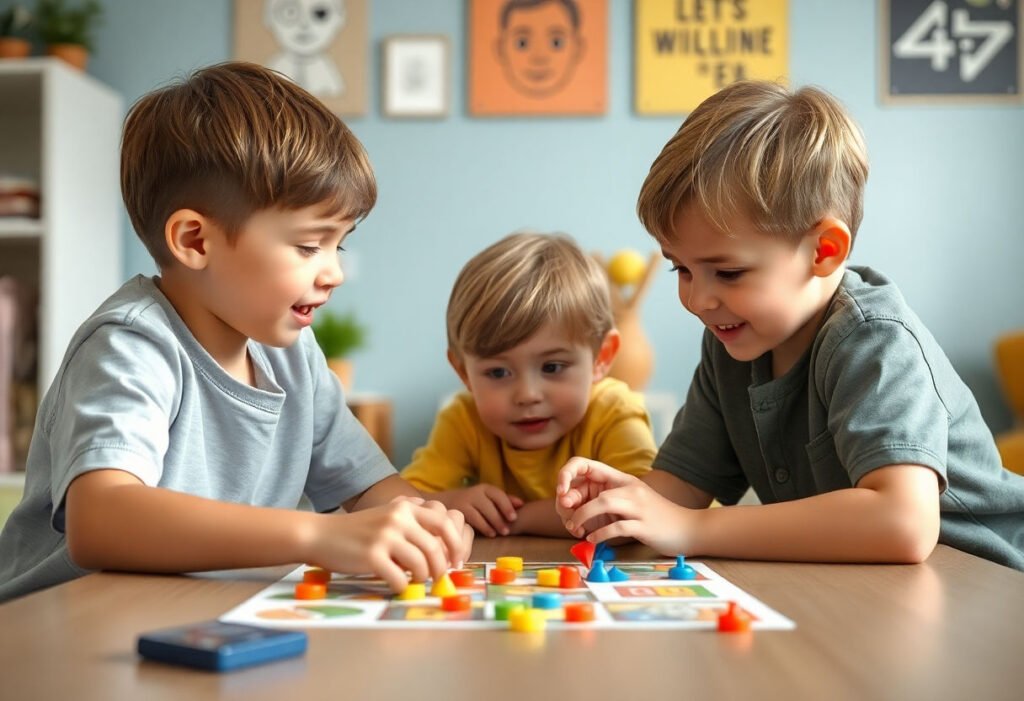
<point>220,646</point>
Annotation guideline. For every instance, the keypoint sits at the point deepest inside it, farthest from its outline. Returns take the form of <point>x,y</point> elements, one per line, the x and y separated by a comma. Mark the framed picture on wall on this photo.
<point>414,77</point>
<point>538,57</point>
<point>687,51</point>
<point>950,50</point>
<point>320,44</point>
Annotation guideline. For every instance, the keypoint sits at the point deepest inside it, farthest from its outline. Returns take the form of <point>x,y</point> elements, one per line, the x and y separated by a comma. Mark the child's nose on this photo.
<point>527,391</point>
<point>331,273</point>
<point>699,298</point>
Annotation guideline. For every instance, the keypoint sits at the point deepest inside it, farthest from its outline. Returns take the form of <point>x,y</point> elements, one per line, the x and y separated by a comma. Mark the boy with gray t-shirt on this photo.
<point>194,409</point>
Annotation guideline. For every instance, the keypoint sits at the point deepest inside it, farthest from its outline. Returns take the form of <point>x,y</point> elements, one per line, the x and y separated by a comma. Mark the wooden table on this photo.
<point>951,628</point>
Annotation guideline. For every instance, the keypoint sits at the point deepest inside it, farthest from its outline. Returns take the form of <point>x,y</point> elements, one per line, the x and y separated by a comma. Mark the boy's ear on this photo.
<point>831,240</point>
<point>187,234</point>
<point>606,354</point>
<point>459,367</point>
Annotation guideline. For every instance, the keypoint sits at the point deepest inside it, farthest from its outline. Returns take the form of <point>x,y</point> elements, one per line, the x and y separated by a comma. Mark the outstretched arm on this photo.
<point>892,515</point>
<point>115,522</point>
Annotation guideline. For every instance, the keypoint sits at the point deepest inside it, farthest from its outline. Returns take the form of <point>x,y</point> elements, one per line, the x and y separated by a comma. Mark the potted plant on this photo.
<point>15,23</point>
<point>339,335</point>
<point>67,30</point>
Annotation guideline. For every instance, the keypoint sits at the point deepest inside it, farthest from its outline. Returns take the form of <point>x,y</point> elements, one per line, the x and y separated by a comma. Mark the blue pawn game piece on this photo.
<point>604,552</point>
<point>547,600</point>
<point>597,573</point>
<point>617,575</point>
<point>682,570</point>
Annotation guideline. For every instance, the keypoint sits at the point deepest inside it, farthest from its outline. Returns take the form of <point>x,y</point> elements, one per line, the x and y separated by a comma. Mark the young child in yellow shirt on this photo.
<point>531,336</point>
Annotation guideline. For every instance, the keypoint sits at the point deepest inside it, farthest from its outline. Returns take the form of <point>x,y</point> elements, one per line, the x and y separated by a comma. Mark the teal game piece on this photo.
<point>681,570</point>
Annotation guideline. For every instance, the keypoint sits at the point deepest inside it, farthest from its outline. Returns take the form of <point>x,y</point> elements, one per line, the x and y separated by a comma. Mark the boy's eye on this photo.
<point>308,251</point>
<point>680,269</point>
<point>553,368</point>
<point>730,274</point>
<point>496,373</point>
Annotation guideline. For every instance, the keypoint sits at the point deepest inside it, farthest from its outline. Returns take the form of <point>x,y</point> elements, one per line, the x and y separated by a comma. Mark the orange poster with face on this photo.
<point>545,57</point>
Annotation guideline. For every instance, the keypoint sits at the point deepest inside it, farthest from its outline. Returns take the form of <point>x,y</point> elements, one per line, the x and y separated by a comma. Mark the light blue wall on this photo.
<point>944,209</point>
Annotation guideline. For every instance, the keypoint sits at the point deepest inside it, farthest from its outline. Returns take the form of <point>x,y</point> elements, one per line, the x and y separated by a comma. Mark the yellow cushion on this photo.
<point>1011,449</point>
<point>1010,370</point>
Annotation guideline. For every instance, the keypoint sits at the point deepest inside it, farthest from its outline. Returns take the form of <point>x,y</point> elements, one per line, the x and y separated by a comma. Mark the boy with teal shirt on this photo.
<point>194,409</point>
<point>818,386</point>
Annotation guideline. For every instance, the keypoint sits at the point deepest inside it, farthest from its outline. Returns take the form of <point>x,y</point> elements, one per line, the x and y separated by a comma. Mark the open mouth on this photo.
<point>532,425</point>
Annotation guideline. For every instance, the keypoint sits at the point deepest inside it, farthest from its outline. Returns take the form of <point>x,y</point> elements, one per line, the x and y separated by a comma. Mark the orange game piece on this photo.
<point>733,620</point>
<point>579,612</point>
<point>462,578</point>
<point>584,552</point>
<point>502,575</point>
<point>316,575</point>
<point>568,577</point>
<point>310,590</point>
<point>458,602</point>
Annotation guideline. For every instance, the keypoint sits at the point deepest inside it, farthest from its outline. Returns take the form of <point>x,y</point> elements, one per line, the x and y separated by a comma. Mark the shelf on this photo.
<point>20,228</point>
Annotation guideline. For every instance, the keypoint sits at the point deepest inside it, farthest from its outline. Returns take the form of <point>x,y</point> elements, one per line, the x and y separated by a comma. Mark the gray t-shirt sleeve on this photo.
<point>698,450</point>
<point>883,405</point>
<point>116,399</point>
<point>345,461</point>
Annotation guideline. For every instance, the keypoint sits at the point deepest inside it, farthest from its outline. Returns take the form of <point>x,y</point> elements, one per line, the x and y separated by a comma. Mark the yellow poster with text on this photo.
<point>687,50</point>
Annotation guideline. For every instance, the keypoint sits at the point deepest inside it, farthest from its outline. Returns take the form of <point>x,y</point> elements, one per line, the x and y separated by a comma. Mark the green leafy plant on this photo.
<point>15,21</point>
<point>338,335</point>
<point>59,23</point>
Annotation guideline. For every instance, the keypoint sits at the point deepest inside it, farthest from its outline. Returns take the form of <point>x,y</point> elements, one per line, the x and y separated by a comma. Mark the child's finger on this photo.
<point>392,574</point>
<point>475,519</point>
<point>615,529</point>
<point>568,474</point>
<point>446,524</point>
<point>503,502</point>
<point>606,504</point>
<point>419,554</point>
<point>489,511</point>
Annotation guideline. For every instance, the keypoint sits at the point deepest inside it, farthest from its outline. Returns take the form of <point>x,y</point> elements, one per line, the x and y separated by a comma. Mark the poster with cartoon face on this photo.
<point>320,44</point>
<point>542,57</point>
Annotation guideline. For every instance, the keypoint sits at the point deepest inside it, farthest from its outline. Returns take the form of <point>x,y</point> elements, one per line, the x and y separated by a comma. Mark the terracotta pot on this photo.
<point>73,54</point>
<point>343,369</point>
<point>14,47</point>
<point>635,360</point>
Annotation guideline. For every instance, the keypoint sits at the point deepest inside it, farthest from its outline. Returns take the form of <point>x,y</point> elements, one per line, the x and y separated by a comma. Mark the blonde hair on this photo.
<point>784,159</point>
<point>230,140</point>
<point>505,293</point>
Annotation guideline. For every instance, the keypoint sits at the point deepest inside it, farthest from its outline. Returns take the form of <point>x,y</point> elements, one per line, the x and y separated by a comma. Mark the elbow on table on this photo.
<point>912,541</point>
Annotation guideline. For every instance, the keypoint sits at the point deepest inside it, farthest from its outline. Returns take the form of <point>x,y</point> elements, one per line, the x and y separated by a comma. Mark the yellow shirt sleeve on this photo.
<point>622,436</point>
<point>448,459</point>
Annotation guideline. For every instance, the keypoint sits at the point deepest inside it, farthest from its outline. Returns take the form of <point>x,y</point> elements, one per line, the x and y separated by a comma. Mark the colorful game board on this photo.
<point>649,599</point>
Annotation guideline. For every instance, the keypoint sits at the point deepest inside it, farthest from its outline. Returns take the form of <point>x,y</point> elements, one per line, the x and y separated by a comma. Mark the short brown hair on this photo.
<point>505,293</point>
<point>784,159</point>
<point>233,139</point>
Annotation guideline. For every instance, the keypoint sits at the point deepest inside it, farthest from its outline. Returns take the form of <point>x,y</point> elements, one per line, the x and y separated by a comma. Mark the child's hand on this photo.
<point>425,539</point>
<point>488,509</point>
<point>601,503</point>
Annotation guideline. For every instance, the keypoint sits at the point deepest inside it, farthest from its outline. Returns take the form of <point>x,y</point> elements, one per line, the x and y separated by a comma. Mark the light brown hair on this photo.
<point>784,159</point>
<point>233,139</point>
<point>505,293</point>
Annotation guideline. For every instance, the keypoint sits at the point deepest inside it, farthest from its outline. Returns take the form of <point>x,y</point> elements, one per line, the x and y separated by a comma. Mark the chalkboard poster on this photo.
<point>951,50</point>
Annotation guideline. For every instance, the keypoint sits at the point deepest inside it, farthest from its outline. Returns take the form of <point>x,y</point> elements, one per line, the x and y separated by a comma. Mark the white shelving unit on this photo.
<point>62,128</point>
